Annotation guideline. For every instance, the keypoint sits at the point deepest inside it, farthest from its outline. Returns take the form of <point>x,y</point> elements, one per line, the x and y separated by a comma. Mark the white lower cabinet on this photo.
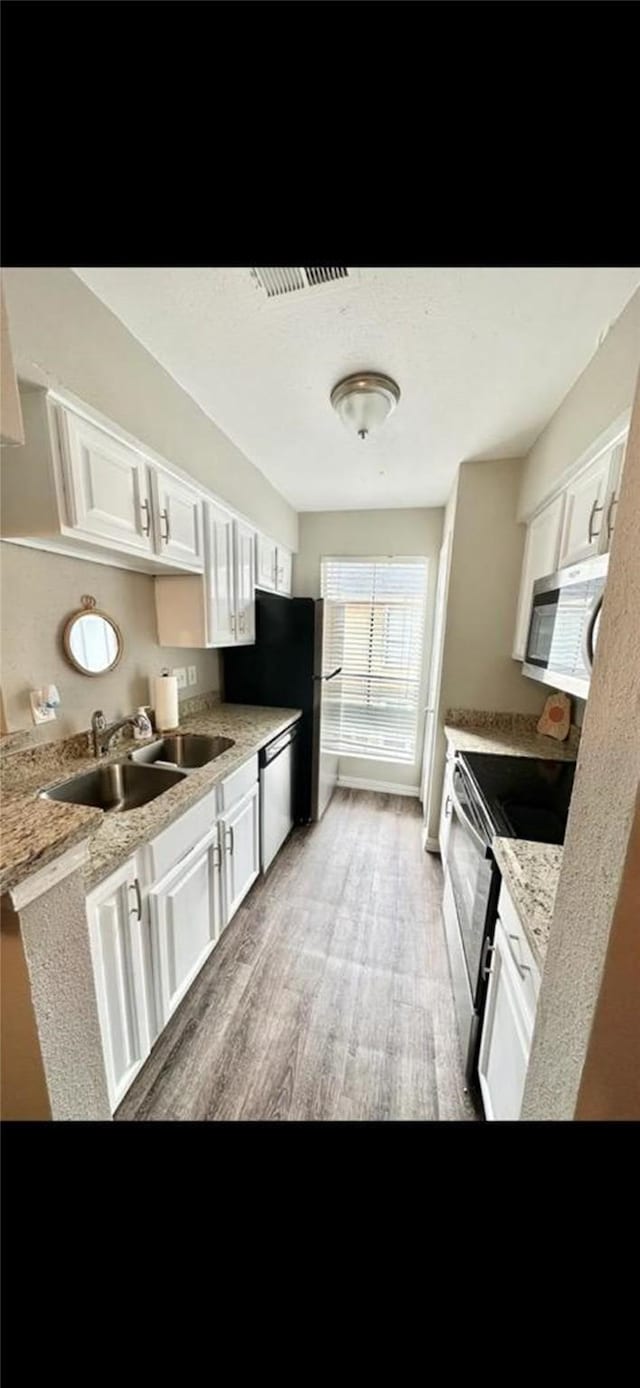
<point>116,928</point>
<point>186,916</point>
<point>445,808</point>
<point>509,1017</point>
<point>240,843</point>
<point>155,921</point>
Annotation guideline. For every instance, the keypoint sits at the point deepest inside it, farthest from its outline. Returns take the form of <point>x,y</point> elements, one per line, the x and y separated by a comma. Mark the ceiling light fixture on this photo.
<point>365,401</point>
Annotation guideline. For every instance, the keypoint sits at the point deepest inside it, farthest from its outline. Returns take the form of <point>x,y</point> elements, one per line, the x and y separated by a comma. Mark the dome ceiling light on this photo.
<point>365,401</point>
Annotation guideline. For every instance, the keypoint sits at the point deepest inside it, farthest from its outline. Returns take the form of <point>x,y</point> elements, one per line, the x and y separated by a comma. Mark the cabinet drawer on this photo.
<point>238,784</point>
<point>181,836</point>
<point>525,971</point>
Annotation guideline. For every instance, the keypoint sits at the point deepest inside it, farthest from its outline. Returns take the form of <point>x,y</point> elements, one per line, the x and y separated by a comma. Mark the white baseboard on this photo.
<point>430,845</point>
<point>386,787</point>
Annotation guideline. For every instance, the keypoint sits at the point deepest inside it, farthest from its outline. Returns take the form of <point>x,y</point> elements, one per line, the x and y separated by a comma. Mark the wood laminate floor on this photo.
<point>328,996</point>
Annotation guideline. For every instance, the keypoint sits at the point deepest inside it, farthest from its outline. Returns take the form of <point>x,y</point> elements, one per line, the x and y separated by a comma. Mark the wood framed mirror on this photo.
<point>92,641</point>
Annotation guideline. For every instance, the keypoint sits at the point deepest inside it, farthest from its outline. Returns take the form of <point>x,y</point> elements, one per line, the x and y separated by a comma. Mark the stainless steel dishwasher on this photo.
<point>277,787</point>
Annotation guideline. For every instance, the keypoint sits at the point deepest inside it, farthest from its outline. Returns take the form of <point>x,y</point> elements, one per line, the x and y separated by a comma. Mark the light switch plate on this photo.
<point>181,676</point>
<point>193,674</point>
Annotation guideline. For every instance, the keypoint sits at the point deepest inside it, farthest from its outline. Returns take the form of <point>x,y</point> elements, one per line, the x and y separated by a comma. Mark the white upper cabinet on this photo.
<point>584,521</point>
<point>178,509</point>
<point>245,583</point>
<point>283,571</point>
<point>106,485</point>
<point>266,561</point>
<point>219,577</point>
<point>541,555</point>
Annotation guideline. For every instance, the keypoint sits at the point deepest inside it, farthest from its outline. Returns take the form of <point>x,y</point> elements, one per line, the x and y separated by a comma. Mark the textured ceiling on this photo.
<point>483,357</point>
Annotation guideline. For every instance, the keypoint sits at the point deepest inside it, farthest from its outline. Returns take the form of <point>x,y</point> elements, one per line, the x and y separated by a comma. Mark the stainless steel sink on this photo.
<point>187,750</point>
<point>118,786</point>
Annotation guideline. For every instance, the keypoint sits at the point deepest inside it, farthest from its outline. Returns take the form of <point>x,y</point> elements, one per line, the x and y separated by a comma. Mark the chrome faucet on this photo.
<point>104,732</point>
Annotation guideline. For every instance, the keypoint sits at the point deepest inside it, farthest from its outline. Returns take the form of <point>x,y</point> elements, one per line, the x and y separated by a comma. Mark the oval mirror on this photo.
<point>92,640</point>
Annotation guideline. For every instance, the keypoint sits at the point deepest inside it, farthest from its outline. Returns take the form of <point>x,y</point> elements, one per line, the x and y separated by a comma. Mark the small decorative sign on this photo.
<point>555,719</point>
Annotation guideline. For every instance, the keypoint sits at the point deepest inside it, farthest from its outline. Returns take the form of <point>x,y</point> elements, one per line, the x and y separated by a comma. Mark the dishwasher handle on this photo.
<point>273,749</point>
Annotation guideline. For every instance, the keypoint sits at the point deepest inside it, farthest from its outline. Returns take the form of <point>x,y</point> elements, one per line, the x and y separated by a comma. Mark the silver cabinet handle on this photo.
<point>144,506</point>
<point>135,887</point>
<point>612,503</point>
<point>593,534</point>
<point>217,856</point>
<point>233,623</point>
<point>524,968</point>
<point>230,834</point>
<point>447,807</point>
<point>164,515</point>
<point>484,967</point>
<point>241,621</point>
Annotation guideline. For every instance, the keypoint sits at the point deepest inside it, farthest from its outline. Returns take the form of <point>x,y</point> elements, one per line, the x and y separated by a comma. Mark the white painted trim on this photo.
<point>37,883</point>
<point>614,433</point>
<point>386,787</point>
<point>430,845</point>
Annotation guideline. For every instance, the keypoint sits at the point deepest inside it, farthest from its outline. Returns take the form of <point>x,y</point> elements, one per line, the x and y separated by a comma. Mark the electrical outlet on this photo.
<point>193,674</point>
<point>181,676</point>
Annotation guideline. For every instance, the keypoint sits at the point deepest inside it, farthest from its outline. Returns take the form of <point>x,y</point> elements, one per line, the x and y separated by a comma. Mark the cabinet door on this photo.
<point>584,529</point>
<point>219,578</point>
<point>506,1037</point>
<point>178,518</point>
<point>185,914</point>
<point>245,576</point>
<point>266,562</point>
<point>106,485</point>
<point>240,843</point>
<point>123,988</point>
<point>541,555</point>
<point>284,571</point>
<point>613,489</point>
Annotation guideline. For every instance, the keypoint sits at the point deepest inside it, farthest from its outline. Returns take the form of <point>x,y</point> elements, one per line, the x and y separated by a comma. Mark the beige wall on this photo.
<point>39,592</point>
<point>63,336</point>
<point>478,671</point>
<point>411,532</point>
<point>599,825</point>
<point>603,392</point>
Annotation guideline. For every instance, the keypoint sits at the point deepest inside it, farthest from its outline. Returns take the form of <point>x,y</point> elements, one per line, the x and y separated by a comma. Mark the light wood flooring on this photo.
<point>328,996</point>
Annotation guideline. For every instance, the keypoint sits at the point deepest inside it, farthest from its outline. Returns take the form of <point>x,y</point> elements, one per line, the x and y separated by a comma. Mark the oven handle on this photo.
<point>471,830</point>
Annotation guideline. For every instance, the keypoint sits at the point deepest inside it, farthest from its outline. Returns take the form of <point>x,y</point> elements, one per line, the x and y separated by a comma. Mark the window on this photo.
<point>374,630</point>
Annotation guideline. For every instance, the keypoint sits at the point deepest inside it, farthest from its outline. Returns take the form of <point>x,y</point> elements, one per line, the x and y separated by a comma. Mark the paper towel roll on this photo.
<point>166,702</point>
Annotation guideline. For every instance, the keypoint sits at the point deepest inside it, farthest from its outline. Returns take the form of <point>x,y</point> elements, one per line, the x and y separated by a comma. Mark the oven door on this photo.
<point>470,868</point>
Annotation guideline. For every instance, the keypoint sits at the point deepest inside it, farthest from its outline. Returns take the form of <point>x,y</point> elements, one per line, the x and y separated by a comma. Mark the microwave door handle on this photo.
<point>471,830</point>
<point>587,650</point>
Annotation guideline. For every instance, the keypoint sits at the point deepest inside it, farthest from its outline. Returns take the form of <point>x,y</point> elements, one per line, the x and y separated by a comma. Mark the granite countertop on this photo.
<point>531,872</point>
<point>506,734</point>
<point>35,832</point>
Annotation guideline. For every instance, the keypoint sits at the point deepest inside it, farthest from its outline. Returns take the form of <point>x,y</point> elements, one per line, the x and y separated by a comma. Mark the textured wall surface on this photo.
<point>599,824</point>
<point>64,336</point>
<point>39,592</point>
<point>603,391</point>
<point>56,944</point>
<point>411,532</point>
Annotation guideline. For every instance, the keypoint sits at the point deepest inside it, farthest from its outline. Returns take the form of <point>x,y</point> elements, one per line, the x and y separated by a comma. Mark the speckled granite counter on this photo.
<point>531,872</point>
<point>507,734</point>
<point>35,832</point>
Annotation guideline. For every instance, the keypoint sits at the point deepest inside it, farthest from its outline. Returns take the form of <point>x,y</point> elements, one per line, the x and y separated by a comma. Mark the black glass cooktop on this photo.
<point>525,797</point>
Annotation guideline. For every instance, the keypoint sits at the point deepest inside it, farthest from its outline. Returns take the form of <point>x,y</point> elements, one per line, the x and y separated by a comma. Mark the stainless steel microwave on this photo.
<point>563,626</point>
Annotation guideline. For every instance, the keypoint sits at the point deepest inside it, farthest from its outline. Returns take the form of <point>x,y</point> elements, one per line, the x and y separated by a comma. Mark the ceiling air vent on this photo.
<point>284,279</point>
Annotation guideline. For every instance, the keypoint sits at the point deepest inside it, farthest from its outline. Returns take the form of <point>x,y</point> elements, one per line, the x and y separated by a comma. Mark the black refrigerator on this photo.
<point>284,669</point>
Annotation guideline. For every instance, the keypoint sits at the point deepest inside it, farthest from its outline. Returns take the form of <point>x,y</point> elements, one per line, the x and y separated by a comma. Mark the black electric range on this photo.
<point>489,796</point>
<point>524,797</point>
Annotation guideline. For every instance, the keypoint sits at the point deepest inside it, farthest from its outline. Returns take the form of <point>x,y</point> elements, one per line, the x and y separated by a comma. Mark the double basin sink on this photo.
<point>146,773</point>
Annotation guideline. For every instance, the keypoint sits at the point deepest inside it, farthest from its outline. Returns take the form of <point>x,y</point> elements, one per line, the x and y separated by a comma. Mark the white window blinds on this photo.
<point>374,628</point>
